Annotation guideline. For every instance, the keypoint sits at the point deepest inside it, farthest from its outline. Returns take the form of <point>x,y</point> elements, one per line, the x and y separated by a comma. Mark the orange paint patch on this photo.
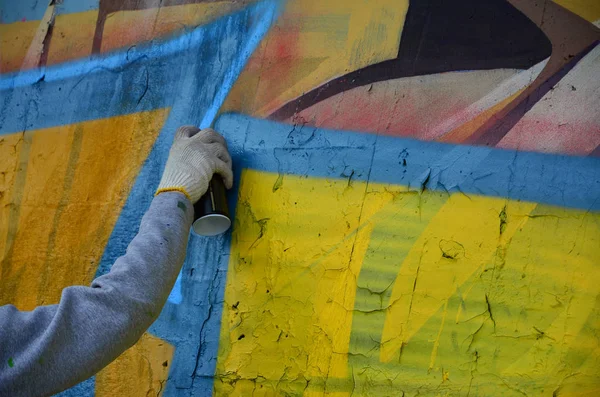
<point>15,39</point>
<point>139,372</point>
<point>125,28</point>
<point>277,55</point>
<point>72,36</point>
<point>312,42</point>
<point>10,147</point>
<point>461,133</point>
<point>65,194</point>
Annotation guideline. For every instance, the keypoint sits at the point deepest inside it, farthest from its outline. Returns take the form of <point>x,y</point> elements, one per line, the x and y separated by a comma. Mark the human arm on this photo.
<point>54,347</point>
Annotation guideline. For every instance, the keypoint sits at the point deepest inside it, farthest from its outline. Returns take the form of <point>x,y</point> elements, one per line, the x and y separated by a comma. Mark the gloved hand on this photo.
<point>194,157</point>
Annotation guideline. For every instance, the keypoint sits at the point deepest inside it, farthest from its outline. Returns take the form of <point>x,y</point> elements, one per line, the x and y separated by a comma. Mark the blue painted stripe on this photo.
<point>87,388</point>
<point>192,75</point>
<point>73,6</point>
<point>13,11</point>
<point>196,82</point>
<point>115,62</point>
<point>115,84</point>
<point>566,181</point>
<point>229,79</point>
<point>188,75</point>
<point>30,10</point>
<point>237,65</point>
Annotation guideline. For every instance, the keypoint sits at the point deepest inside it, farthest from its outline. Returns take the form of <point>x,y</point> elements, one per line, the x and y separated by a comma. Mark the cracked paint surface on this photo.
<point>366,257</point>
<point>403,289</point>
<point>321,315</point>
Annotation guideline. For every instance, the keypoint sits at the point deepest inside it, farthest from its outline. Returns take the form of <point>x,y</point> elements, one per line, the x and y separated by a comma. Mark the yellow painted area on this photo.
<point>490,296</point>
<point>587,9</point>
<point>521,326</point>
<point>295,274</point>
<point>312,42</point>
<point>333,289</point>
<point>140,371</point>
<point>72,36</point>
<point>448,252</point>
<point>36,203</point>
<point>10,147</point>
<point>61,206</point>
<point>573,281</point>
<point>156,22</point>
<point>15,39</point>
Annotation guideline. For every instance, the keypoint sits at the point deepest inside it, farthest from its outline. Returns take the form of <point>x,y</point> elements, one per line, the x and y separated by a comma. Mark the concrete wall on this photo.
<point>417,198</point>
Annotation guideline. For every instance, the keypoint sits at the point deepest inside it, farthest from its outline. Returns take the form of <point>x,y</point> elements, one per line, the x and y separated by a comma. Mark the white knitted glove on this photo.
<point>194,157</point>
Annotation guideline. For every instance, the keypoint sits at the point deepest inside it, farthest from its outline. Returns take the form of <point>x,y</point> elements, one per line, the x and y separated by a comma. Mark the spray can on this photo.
<point>211,213</point>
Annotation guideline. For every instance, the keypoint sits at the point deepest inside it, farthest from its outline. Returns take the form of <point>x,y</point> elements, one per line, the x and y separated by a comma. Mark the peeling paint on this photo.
<point>373,252</point>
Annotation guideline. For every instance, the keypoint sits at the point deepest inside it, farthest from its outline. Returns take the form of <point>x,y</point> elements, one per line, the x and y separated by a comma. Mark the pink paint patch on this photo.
<point>23,19</point>
<point>551,136</point>
<point>415,107</point>
<point>566,119</point>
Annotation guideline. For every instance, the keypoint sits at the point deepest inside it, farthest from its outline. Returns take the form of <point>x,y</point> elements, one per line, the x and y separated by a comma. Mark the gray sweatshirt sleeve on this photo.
<point>55,347</point>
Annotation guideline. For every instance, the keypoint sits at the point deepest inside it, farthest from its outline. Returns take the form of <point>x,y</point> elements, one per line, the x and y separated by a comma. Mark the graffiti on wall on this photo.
<point>417,201</point>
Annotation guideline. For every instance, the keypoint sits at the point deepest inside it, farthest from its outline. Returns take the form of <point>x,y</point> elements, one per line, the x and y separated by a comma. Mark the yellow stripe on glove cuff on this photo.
<point>179,189</point>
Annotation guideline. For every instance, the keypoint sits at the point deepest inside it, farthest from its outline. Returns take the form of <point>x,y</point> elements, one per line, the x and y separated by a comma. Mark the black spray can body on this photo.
<point>211,213</point>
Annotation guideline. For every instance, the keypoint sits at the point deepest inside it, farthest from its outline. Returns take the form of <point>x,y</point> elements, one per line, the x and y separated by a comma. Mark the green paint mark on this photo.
<point>278,183</point>
<point>503,219</point>
<point>182,206</point>
<point>11,363</point>
<point>388,247</point>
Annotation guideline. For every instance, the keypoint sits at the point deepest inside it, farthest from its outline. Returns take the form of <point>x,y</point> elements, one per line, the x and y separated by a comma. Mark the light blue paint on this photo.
<point>238,65</point>
<point>567,181</point>
<point>115,62</point>
<point>72,6</point>
<point>196,83</point>
<point>87,388</point>
<point>231,76</point>
<point>189,77</point>
<point>187,74</point>
<point>175,296</point>
<point>15,10</point>
<point>110,85</point>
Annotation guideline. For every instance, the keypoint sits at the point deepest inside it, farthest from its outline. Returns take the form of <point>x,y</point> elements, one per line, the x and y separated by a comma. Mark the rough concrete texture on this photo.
<point>419,216</point>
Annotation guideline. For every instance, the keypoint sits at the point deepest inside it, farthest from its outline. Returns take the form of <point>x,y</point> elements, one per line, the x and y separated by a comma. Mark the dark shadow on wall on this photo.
<point>443,36</point>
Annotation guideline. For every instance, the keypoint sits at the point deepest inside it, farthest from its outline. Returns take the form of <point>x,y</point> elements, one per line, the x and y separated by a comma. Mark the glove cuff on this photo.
<point>192,187</point>
<point>180,189</point>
